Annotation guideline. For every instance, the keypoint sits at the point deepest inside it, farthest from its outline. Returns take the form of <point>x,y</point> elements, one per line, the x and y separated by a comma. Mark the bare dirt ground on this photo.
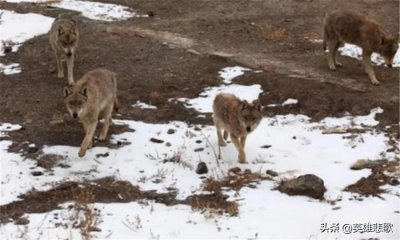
<point>178,51</point>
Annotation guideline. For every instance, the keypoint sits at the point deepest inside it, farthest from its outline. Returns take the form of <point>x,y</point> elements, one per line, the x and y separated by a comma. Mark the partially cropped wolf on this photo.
<point>352,27</point>
<point>64,36</point>
<point>93,97</point>
<point>237,118</point>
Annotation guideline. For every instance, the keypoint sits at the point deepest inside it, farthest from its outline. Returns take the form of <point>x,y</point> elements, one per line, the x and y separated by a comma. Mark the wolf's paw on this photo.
<point>338,64</point>
<point>82,152</point>
<point>222,144</point>
<point>242,158</point>
<point>102,137</point>
<point>375,82</point>
<point>60,75</point>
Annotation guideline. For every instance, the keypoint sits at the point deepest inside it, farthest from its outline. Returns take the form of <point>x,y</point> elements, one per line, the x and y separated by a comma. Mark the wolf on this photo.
<point>237,118</point>
<point>64,36</point>
<point>91,98</point>
<point>342,26</point>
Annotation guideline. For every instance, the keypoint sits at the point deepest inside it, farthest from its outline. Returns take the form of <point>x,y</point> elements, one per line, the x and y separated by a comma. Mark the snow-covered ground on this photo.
<point>16,28</point>
<point>296,146</point>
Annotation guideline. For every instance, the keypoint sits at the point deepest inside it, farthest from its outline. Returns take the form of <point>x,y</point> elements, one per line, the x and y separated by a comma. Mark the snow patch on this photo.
<point>97,11</point>
<point>229,73</point>
<point>204,103</point>
<point>18,28</point>
<point>289,101</point>
<point>144,105</point>
<point>10,69</point>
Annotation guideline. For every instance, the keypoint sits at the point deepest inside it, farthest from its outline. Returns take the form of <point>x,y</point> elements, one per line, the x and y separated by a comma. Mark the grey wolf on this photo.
<point>64,36</point>
<point>352,27</point>
<point>91,98</point>
<point>237,118</point>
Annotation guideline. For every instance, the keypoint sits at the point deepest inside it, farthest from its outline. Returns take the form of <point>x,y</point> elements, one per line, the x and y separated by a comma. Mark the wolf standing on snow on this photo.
<point>93,97</point>
<point>354,28</point>
<point>64,35</point>
<point>237,118</point>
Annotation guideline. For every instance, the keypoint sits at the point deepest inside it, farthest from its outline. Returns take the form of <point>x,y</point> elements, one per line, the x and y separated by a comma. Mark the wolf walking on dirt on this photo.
<point>352,27</point>
<point>93,97</point>
<point>64,36</point>
<point>237,118</point>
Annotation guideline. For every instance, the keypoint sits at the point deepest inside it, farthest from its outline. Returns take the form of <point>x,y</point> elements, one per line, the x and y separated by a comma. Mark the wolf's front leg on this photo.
<point>87,141</point>
<point>70,68</point>
<point>60,69</point>
<point>368,68</point>
<point>239,147</point>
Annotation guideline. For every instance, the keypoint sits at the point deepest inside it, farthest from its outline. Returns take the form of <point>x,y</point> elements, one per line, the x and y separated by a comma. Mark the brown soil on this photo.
<point>371,185</point>
<point>177,53</point>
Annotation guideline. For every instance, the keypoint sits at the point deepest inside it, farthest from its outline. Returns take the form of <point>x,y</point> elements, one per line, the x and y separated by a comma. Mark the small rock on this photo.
<point>199,141</point>
<point>394,182</point>
<point>7,49</point>
<point>197,129</point>
<point>307,185</point>
<point>294,137</point>
<point>150,13</point>
<point>155,140</point>
<point>199,149</point>
<point>266,146</point>
<point>63,165</point>
<point>171,131</point>
<point>102,155</point>
<point>168,144</point>
<point>37,173</point>
<point>202,168</point>
<point>271,173</point>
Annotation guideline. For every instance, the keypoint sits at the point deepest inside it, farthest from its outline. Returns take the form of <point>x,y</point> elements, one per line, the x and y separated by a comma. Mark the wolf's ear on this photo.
<point>67,91</point>
<point>84,91</point>
<point>257,104</point>
<point>245,104</point>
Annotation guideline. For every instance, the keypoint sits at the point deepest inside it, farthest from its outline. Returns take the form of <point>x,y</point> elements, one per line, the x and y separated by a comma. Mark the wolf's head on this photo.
<point>388,48</point>
<point>250,115</point>
<point>68,38</point>
<point>75,99</point>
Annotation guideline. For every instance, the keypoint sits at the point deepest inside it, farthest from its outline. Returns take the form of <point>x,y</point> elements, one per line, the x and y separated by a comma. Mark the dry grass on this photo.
<point>274,33</point>
<point>85,218</point>
<point>236,180</point>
